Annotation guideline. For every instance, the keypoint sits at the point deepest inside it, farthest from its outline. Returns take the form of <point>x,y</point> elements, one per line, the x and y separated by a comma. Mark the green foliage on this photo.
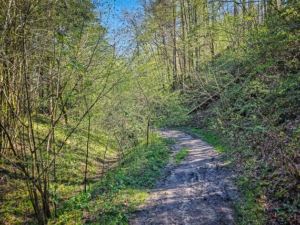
<point>248,208</point>
<point>86,98</point>
<point>179,156</point>
<point>258,119</point>
<point>170,111</point>
<point>170,141</point>
<point>120,191</point>
<point>211,138</point>
<point>16,203</point>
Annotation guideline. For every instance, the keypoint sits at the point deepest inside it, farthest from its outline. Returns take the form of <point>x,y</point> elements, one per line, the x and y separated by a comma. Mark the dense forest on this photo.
<point>79,103</point>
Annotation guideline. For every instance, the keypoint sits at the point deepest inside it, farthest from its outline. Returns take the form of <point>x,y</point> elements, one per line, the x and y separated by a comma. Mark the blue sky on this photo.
<point>112,11</point>
<point>111,14</point>
<point>113,19</point>
<point>125,3</point>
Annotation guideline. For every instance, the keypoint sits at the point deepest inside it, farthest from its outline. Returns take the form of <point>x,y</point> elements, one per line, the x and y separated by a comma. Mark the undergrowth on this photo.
<point>257,119</point>
<point>248,207</point>
<point>16,207</point>
<point>178,157</point>
<point>110,197</point>
<point>211,138</point>
<point>121,190</point>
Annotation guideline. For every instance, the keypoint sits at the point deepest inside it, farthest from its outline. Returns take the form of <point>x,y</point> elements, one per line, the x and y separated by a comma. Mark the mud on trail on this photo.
<point>198,191</point>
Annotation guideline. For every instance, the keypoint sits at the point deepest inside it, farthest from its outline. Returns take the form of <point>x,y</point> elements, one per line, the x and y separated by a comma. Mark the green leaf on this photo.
<point>88,83</point>
<point>64,53</point>
<point>81,67</point>
<point>126,112</point>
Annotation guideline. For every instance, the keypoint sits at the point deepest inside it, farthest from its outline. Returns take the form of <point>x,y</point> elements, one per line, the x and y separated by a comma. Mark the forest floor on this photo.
<point>199,190</point>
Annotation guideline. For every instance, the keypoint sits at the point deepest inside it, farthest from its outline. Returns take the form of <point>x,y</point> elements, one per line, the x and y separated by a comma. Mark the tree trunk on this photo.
<point>175,72</point>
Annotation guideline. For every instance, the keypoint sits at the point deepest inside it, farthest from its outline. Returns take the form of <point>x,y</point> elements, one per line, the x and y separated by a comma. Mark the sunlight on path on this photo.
<point>198,191</point>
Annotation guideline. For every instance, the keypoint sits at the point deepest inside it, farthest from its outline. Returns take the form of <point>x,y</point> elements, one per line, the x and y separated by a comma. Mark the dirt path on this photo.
<point>198,191</point>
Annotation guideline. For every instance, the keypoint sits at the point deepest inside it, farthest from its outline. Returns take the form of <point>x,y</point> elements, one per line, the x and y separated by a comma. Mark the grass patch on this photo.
<point>210,138</point>
<point>120,191</point>
<point>178,157</point>
<point>110,197</point>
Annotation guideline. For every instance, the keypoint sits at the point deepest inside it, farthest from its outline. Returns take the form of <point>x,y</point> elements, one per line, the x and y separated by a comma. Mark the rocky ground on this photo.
<point>198,191</point>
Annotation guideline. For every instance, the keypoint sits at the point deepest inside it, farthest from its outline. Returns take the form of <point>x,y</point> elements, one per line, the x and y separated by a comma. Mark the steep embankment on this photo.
<point>257,116</point>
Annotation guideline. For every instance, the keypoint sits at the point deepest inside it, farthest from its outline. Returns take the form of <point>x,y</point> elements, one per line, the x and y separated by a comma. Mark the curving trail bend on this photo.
<point>199,191</point>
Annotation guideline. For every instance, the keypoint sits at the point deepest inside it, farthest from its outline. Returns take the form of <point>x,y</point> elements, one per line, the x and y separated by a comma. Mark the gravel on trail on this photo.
<point>200,190</point>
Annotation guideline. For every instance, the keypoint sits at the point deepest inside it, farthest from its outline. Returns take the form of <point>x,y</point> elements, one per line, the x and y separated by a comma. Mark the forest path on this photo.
<point>197,191</point>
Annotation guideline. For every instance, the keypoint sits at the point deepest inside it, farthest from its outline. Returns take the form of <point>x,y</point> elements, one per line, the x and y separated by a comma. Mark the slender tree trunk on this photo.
<point>175,72</point>
<point>87,154</point>
<point>183,31</point>
<point>148,130</point>
<point>195,16</point>
<point>265,9</point>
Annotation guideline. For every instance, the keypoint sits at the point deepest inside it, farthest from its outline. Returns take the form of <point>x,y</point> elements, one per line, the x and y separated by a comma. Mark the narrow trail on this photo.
<point>198,191</point>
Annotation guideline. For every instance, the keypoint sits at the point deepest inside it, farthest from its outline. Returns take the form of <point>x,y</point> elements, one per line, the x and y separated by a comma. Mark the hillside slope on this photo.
<point>258,118</point>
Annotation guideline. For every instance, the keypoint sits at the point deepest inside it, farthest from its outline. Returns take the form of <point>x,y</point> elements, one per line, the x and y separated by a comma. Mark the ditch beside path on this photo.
<point>199,191</point>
